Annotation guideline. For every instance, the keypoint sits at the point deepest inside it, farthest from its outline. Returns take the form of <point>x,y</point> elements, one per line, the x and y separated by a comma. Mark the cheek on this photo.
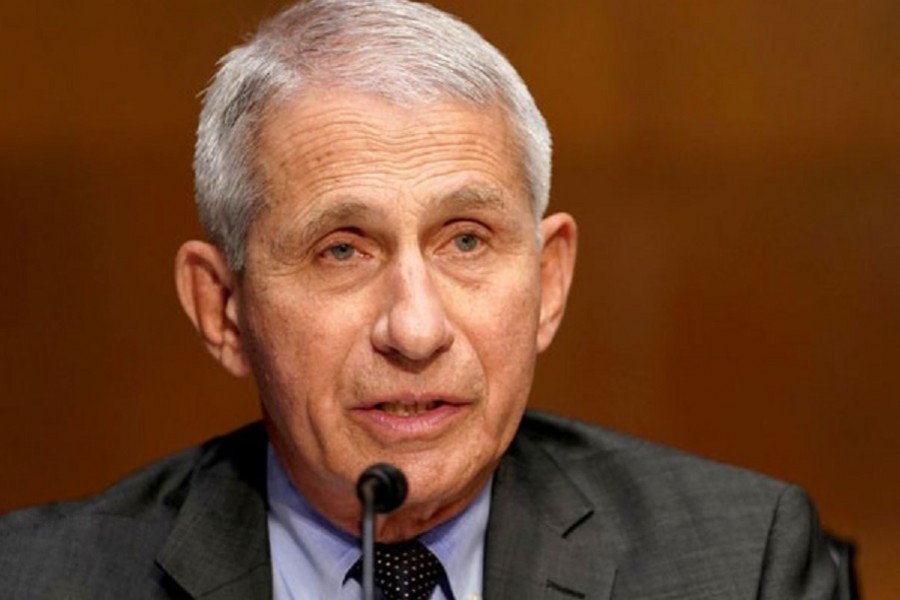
<point>301,356</point>
<point>511,315</point>
<point>294,347</point>
<point>502,329</point>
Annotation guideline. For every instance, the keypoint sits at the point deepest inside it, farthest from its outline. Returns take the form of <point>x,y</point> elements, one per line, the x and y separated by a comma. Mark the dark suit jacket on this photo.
<point>577,512</point>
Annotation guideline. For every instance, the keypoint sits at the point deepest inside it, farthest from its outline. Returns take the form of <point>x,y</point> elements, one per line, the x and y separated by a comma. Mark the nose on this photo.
<point>413,323</point>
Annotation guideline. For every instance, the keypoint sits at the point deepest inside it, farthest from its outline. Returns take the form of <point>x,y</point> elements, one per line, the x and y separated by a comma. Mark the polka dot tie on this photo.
<point>404,571</point>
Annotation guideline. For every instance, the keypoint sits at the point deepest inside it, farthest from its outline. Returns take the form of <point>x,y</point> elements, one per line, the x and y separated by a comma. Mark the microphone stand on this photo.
<point>368,540</point>
<point>381,488</point>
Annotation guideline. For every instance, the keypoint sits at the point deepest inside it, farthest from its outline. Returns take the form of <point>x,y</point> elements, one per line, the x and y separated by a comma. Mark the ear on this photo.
<point>207,291</point>
<point>560,237</point>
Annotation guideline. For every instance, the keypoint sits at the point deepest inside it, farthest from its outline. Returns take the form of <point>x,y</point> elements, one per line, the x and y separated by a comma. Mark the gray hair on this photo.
<point>406,52</point>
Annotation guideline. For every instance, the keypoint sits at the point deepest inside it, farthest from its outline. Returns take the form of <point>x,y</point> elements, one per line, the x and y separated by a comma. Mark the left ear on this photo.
<point>560,236</point>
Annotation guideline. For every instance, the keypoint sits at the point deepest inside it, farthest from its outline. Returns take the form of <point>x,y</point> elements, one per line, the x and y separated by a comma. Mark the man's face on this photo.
<point>391,302</point>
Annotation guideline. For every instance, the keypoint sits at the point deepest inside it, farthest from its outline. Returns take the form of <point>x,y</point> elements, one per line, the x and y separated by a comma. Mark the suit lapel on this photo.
<point>219,546</point>
<point>542,539</point>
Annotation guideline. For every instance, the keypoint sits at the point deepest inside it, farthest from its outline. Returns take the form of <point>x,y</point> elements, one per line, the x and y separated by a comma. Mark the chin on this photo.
<point>443,488</point>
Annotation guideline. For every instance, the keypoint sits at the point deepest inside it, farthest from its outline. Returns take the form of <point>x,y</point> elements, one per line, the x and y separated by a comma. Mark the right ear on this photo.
<point>207,291</point>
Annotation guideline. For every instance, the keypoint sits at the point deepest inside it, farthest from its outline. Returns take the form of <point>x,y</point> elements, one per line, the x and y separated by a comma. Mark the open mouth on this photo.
<point>408,409</point>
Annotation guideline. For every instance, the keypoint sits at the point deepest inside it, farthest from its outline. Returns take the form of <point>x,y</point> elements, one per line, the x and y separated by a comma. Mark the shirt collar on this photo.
<point>307,548</point>
<point>459,545</point>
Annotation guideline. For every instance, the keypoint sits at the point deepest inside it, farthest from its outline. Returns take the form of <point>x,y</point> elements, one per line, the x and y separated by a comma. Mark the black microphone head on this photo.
<point>386,485</point>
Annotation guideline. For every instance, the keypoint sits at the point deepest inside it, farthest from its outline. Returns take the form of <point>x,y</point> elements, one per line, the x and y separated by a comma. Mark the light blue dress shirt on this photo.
<point>311,557</point>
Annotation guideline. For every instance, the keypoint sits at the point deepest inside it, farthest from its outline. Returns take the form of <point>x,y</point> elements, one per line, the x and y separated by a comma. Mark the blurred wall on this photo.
<point>733,167</point>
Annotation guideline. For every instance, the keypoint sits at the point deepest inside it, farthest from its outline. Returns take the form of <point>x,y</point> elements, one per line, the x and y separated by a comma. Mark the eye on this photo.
<point>341,252</point>
<point>466,242</point>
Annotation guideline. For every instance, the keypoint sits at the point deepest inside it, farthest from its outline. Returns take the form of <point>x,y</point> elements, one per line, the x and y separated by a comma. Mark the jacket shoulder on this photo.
<point>110,539</point>
<point>668,518</point>
<point>593,455</point>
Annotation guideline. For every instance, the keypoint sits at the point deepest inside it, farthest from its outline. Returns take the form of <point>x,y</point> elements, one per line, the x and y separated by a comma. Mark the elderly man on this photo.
<point>373,176</point>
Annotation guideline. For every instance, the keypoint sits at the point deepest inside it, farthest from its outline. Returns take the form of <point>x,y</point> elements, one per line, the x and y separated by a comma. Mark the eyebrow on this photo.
<point>309,227</point>
<point>473,198</point>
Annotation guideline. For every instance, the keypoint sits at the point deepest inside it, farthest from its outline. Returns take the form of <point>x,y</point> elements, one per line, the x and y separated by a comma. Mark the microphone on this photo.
<point>381,488</point>
<point>383,484</point>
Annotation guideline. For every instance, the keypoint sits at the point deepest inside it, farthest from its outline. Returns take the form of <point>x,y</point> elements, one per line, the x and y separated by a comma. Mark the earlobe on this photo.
<point>560,237</point>
<point>206,290</point>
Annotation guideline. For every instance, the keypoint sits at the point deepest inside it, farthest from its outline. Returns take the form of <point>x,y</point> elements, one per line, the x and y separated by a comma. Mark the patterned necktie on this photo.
<point>404,571</point>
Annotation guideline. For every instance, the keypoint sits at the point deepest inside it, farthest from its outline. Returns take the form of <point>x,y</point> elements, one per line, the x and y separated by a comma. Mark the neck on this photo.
<point>337,501</point>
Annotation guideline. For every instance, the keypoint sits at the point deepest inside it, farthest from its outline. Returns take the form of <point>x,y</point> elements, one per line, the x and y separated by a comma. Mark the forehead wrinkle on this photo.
<point>353,127</point>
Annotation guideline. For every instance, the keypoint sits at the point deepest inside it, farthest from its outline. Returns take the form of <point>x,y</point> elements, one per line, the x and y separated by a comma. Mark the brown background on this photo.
<point>733,166</point>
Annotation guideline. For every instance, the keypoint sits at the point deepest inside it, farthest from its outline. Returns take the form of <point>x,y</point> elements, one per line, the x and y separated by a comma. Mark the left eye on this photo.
<point>341,251</point>
<point>466,242</point>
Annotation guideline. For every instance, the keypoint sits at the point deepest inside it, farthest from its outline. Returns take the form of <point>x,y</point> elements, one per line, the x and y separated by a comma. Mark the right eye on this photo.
<point>340,252</point>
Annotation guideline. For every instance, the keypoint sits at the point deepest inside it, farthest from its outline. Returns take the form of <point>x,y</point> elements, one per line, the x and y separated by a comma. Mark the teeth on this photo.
<point>406,409</point>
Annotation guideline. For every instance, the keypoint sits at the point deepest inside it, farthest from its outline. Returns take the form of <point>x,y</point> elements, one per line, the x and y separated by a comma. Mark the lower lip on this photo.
<point>427,424</point>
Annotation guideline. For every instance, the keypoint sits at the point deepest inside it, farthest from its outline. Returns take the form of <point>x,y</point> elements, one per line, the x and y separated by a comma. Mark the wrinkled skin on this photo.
<point>395,296</point>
